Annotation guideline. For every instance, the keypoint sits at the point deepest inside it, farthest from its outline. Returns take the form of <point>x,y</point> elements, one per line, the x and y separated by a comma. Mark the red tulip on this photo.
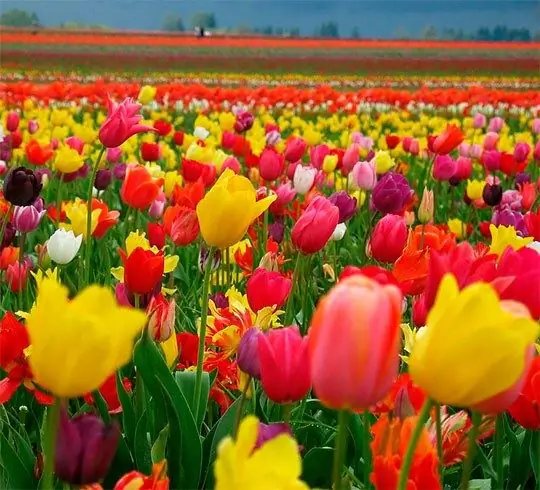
<point>382,276</point>
<point>315,226</point>
<point>161,317</point>
<point>284,363</point>
<point>110,394</point>
<point>139,190</point>
<point>163,127</point>
<point>178,138</point>
<point>271,164</point>
<point>150,152</point>
<point>156,235</point>
<point>12,121</point>
<point>265,288</point>
<point>181,224</point>
<point>37,154</point>
<point>447,141</point>
<point>532,221</point>
<point>392,141</point>
<point>389,238</point>
<point>143,270</point>
<point>16,275</point>
<point>192,171</point>
<point>295,149</point>
<point>526,409</point>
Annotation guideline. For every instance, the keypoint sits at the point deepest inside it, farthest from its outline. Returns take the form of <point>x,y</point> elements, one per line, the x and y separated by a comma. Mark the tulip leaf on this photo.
<point>141,446</point>
<point>484,462</point>
<point>160,445</point>
<point>159,380</point>
<point>317,467</point>
<point>129,421</point>
<point>14,473</point>
<point>186,382</point>
<point>101,405</point>
<point>534,454</point>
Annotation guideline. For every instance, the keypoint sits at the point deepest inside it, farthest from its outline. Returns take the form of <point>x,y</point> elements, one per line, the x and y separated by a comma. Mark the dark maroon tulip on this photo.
<point>492,194</point>
<point>346,204</point>
<point>103,179</point>
<point>269,431</point>
<point>276,230</point>
<point>85,448</point>
<point>244,121</point>
<point>391,193</point>
<point>21,187</point>
<point>220,300</point>
<point>9,235</point>
<point>248,353</point>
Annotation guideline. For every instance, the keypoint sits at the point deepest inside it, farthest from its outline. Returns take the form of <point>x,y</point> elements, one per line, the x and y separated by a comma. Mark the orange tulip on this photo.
<point>37,154</point>
<point>106,219</point>
<point>354,343</point>
<point>139,189</point>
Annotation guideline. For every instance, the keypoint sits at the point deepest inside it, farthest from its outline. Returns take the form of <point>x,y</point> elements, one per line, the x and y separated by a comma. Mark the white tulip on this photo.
<point>201,132</point>
<point>303,179</point>
<point>339,232</point>
<point>63,246</point>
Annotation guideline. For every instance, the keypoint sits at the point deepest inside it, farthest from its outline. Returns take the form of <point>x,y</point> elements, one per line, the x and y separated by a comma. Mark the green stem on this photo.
<point>59,198</point>
<point>407,461</point>
<point>202,330</point>
<point>287,408</point>
<point>49,445</point>
<point>289,311</point>
<point>240,411</point>
<point>468,465</point>
<point>339,449</point>
<point>89,216</point>
<point>22,239</point>
<point>498,449</point>
<point>264,234</point>
<point>368,232</point>
<point>438,429</point>
<point>366,448</point>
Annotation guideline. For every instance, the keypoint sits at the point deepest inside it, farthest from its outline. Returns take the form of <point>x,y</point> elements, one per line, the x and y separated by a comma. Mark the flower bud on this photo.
<point>389,238</point>
<point>425,211</point>
<point>204,254</point>
<point>12,121</point>
<point>21,186</point>
<point>492,194</point>
<point>27,218</point>
<point>161,317</point>
<point>103,179</point>
<point>33,126</point>
<point>363,176</point>
<point>247,355</point>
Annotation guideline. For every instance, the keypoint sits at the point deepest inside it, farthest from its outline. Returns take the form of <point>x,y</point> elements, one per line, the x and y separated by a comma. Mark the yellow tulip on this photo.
<point>475,189</point>
<point>457,227</point>
<point>202,154</point>
<point>171,180</point>
<point>383,162</point>
<point>77,344</point>
<point>473,346</point>
<point>330,163</point>
<point>276,465</point>
<point>228,209</point>
<point>147,94</point>
<point>67,160</point>
<point>503,237</point>
<point>226,121</point>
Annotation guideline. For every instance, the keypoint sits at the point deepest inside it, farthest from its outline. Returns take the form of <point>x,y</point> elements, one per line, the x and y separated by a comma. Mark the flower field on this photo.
<point>229,280</point>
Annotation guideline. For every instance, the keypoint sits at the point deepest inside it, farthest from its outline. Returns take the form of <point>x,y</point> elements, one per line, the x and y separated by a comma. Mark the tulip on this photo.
<point>123,121</point>
<point>492,194</point>
<point>525,410</point>
<point>463,168</point>
<point>303,179</point>
<point>350,158</point>
<point>119,171</point>
<point>272,138</point>
<point>295,149</point>
<point>162,127</point>
<point>267,289</point>
<point>233,164</point>
<point>346,205</point>
<point>150,152</point>
<point>521,152</point>
<point>139,189</point>
<point>317,154</point>
<point>21,187</point>
<point>12,121</point>
<point>475,151</point>
<point>161,318</point>
<point>63,245</point>
<point>143,270</point>
<point>38,154</point>
<point>271,164</point>
<point>146,94</point>
<point>85,448</point>
<point>414,147</point>
<point>496,124</point>
<point>181,224</point>
<point>204,257</point>
<point>27,218</point>
<point>383,162</point>
<point>9,236</point>
<point>388,239</point>
<point>271,431</point>
<point>157,207</point>
<point>355,329</point>
<point>284,365</point>
<point>391,193</point>
<point>244,121</point>
<point>247,355</point>
<point>486,336</point>
<point>285,194</point>
<point>392,141</point>
<point>156,235</point>
<point>475,189</point>
<point>444,167</point>
<point>276,231</point>
<point>113,155</point>
<point>228,209</point>
<point>490,141</point>
<point>447,141</point>
<point>17,275</point>
<point>491,159</point>
<point>103,179</point>
<point>330,163</point>
<point>464,149</point>
<point>67,160</point>
<point>339,232</point>
<point>535,127</point>
<point>479,120</point>
<point>55,324</point>
<point>315,226</point>
<point>425,211</point>
<point>33,126</point>
<point>363,175</point>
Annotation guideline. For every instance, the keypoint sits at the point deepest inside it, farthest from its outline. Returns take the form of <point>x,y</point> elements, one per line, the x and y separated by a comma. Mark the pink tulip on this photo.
<point>33,126</point>
<point>295,149</point>
<point>496,124</point>
<point>464,149</point>
<point>364,175</point>
<point>271,164</point>
<point>114,155</point>
<point>76,144</point>
<point>350,158</point>
<point>463,168</point>
<point>479,121</point>
<point>536,126</point>
<point>475,151</point>
<point>444,168</point>
<point>490,141</point>
<point>12,121</point>
<point>317,155</point>
<point>232,163</point>
<point>157,207</point>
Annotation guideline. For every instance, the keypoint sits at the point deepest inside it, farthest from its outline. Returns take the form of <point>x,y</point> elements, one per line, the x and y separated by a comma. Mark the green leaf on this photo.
<point>186,381</point>
<point>14,472</point>
<point>480,484</point>
<point>485,463</point>
<point>534,454</point>
<point>122,464</point>
<point>317,467</point>
<point>160,445</point>
<point>158,380</point>
<point>129,421</point>
<point>101,405</point>
<point>141,445</point>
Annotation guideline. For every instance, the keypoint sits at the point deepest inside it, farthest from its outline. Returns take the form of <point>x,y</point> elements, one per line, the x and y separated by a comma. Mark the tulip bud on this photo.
<point>339,232</point>
<point>475,151</point>
<point>26,218</point>
<point>490,141</point>
<point>350,158</point>
<point>103,179</point>
<point>161,317</point>
<point>119,171</point>
<point>276,230</point>
<point>303,179</point>
<point>233,164</point>
<point>425,211</point>
<point>157,207</point>
<point>492,194</point>
<point>388,239</point>
<point>33,126</point>
<point>463,168</point>
<point>204,254</point>
<point>12,121</point>
<point>496,124</point>
<point>63,246</point>
<point>363,176</point>
<point>272,138</point>
<point>295,149</point>
<point>114,155</point>
<point>247,355</point>
<point>391,193</point>
<point>267,289</point>
<point>346,205</point>
<point>244,121</point>
<point>479,120</point>
<point>17,275</point>
<point>271,164</point>
<point>521,152</point>
<point>491,160</point>
<point>444,168</point>
<point>21,187</point>
<point>85,448</point>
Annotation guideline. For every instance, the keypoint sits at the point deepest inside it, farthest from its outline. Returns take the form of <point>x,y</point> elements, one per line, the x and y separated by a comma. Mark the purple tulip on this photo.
<point>505,216</point>
<point>391,193</point>
<point>119,171</point>
<point>270,431</point>
<point>276,230</point>
<point>248,353</point>
<point>103,179</point>
<point>522,178</point>
<point>220,300</point>
<point>346,204</point>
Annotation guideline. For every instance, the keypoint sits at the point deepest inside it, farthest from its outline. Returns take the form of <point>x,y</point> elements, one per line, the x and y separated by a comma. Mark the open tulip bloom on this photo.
<point>261,288</point>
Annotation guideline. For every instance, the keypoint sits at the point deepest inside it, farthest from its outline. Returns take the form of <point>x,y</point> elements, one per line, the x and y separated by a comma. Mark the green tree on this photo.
<point>173,23</point>
<point>18,18</point>
<point>204,19</point>
<point>328,29</point>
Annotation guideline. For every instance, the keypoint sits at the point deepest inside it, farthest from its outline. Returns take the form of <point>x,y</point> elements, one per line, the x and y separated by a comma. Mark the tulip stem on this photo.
<point>339,449</point>
<point>241,406</point>
<point>366,448</point>
<point>49,445</point>
<point>471,453</point>
<point>202,331</point>
<point>89,215</point>
<point>438,429</point>
<point>498,449</point>
<point>407,461</point>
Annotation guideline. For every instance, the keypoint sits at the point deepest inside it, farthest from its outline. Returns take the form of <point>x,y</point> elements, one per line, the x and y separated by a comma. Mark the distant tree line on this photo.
<point>498,33</point>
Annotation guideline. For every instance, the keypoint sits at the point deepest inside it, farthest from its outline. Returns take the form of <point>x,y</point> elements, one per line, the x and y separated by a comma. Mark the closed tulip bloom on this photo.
<point>146,94</point>
<point>27,218</point>
<point>426,209</point>
<point>350,158</point>
<point>12,121</point>
<point>463,168</point>
<point>67,160</point>
<point>63,246</point>
<point>85,448</point>
<point>496,124</point>
<point>492,194</point>
<point>271,164</point>
<point>315,226</point>
<point>123,121</point>
<point>161,317</point>
<point>521,152</point>
<point>265,288</point>
<point>103,179</point>
<point>284,362</point>
<point>490,141</point>
<point>228,209</point>
<point>383,162</point>
<point>244,121</point>
<point>295,149</point>
<point>526,410</point>
<point>16,276</point>
<point>55,325</point>
<point>475,189</point>
<point>158,206</point>
<point>150,152</point>
<point>363,176</point>
<point>473,346</point>
<point>346,204</point>
<point>143,270</point>
<point>247,355</point>
<point>391,193</point>
<point>388,239</point>
<point>285,194</point>
<point>113,155</point>
<point>444,167</point>
<point>479,120</point>
<point>139,190</point>
<point>449,140</point>
<point>304,178</point>
<point>355,330</point>
<point>21,187</point>
<point>475,151</point>
<point>33,126</point>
